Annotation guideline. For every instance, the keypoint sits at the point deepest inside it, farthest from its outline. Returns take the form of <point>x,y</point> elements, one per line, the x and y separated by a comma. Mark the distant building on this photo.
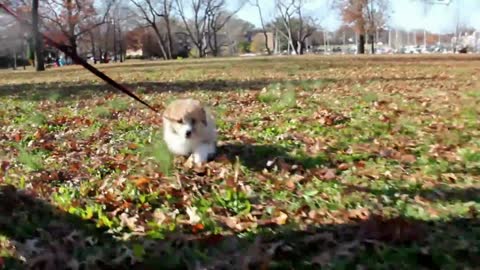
<point>257,38</point>
<point>134,52</point>
<point>270,37</point>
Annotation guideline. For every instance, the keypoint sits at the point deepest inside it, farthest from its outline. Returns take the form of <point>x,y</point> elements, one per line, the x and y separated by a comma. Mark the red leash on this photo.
<point>77,59</point>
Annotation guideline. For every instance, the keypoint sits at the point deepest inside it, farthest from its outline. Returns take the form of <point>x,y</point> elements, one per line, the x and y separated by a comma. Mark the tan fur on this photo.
<point>189,128</point>
<point>185,108</point>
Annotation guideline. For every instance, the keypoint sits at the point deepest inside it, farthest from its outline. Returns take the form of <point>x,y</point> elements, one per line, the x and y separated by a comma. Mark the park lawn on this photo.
<point>332,162</point>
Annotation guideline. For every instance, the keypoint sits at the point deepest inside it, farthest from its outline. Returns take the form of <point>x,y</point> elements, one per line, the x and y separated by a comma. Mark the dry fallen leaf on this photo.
<point>193,217</point>
<point>142,181</point>
<point>330,174</point>
<point>159,216</point>
<point>343,166</point>
<point>197,227</point>
<point>127,221</point>
<point>408,158</point>
<point>281,218</point>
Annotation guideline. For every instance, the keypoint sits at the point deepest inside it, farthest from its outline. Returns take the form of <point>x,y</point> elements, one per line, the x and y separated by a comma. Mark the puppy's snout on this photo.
<point>188,134</point>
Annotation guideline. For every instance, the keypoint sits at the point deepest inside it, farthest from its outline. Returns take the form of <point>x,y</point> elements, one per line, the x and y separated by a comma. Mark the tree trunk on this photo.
<point>201,50</point>
<point>169,38</point>
<point>100,54</point>
<point>14,57</point>
<point>92,43</point>
<point>269,51</point>
<point>115,51</point>
<point>266,42</point>
<point>71,27</point>
<point>372,40</point>
<point>215,50</point>
<point>31,51</point>
<point>122,55</point>
<point>73,44</point>
<point>161,43</point>
<point>361,44</point>
<point>302,47</point>
<point>38,41</point>
<point>25,54</point>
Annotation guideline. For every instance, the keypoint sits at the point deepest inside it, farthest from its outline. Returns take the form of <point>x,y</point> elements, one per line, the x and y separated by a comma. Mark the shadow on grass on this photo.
<point>257,157</point>
<point>72,90</point>
<point>48,238</point>
<point>438,193</point>
<point>260,157</point>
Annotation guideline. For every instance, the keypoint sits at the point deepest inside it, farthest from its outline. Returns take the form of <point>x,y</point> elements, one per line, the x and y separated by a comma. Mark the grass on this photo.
<point>332,162</point>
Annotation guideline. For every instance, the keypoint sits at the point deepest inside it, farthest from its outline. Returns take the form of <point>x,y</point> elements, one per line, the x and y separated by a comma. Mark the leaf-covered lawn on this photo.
<point>324,162</point>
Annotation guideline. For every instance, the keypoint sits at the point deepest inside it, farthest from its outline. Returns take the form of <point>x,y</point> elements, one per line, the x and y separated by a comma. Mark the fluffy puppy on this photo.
<point>189,129</point>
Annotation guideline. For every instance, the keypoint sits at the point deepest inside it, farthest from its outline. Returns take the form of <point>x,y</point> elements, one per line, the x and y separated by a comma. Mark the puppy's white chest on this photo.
<point>177,144</point>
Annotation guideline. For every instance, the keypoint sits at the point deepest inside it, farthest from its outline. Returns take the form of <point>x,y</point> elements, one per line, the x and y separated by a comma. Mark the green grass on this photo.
<point>332,162</point>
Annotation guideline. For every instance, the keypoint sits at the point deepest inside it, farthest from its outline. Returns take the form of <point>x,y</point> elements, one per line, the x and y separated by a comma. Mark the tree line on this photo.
<point>178,28</point>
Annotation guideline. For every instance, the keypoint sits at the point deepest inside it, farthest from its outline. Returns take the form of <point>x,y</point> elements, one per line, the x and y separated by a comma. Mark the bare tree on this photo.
<point>74,18</point>
<point>286,10</point>
<point>256,3</point>
<point>195,27</point>
<point>151,11</point>
<point>40,61</point>
<point>218,17</point>
<point>167,7</point>
<point>293,25</point>
<point>14,35</point>
<point>208,19</point>
<point>122,18</point>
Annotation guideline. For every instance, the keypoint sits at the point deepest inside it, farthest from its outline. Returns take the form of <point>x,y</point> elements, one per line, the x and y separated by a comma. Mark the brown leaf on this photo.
<point>142,181</point>
<point>48,146</point>
<point>290,184</point>
<point>197,227</point>
<point>17,137</point>
<point>359,214</point>
<point>408,159</point>
<point>73,145</point>
<point>473,211</point>
<point>38,134</point>
<point>132,146</point>
<point>284,166</point>
<point>74,167</point>
<point>4,166</point>
<point>330,174</point>
<point>222,159</point>
<point>122,167</point>
<point>237,127</point>
<point>343,166</point>
<point>200,169</point>
<point>281,218</point>
<point>361,164</point>
<point>387,153</point>
<point>292,180</point>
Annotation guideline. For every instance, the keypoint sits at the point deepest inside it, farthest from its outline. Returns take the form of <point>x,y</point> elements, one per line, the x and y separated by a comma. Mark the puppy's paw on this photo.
<point>199,158</point>
<point>189,163</point>
<point>203,153</point>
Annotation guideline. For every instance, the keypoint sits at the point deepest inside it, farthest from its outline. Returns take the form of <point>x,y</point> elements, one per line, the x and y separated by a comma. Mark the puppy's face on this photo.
<point>186,117</point>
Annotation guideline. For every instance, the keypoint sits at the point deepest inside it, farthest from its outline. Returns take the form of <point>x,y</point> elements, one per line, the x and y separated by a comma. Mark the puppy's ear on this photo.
<point>173,112</point>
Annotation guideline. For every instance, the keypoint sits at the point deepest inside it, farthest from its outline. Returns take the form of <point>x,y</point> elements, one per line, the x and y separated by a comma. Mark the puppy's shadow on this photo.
<point>258,157</point>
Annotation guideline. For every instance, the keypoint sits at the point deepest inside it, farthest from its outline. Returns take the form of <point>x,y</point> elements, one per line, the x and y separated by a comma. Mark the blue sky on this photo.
<point>406,14</point>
